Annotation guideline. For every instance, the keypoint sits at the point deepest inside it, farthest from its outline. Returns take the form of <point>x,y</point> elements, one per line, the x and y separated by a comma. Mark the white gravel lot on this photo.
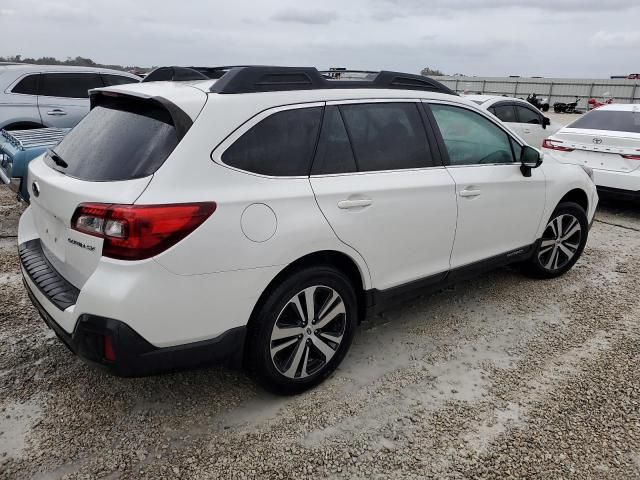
<point>498,377</point>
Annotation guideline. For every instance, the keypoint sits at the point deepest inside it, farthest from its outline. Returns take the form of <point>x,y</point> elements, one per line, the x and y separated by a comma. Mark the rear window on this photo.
<point>120,140</point>
<point>280,145</point>
<point>28,85</point>
<point>613,120</point>
<point>69,85</point>
<point>506,113</point>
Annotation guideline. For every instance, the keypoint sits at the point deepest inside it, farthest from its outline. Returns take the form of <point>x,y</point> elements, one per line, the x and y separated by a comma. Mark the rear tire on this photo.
<point>562,242</point>
<point>289,348</point>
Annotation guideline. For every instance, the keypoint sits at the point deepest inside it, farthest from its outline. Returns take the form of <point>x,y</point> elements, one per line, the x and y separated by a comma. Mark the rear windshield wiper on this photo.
<point>58,159</point>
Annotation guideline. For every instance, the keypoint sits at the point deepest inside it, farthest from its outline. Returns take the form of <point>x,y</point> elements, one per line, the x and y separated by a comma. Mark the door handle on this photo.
<point>470,193</point>
<point>526,130</point>
<point>56,112</point>
<point>356,203</point>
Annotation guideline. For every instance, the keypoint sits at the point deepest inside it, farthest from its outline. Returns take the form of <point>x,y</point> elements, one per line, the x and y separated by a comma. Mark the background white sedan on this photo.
<point>522,117</point>
<point>607,140</point>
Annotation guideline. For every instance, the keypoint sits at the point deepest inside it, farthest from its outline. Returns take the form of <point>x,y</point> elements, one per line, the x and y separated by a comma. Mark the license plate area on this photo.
<point>606,161</point>
<point>51,231</point>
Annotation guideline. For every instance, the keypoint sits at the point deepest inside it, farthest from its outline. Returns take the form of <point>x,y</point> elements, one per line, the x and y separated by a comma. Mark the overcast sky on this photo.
<point>584,38</point>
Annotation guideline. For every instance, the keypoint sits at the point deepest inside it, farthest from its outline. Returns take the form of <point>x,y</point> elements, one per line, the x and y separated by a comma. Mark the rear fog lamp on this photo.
<point>109,352</point>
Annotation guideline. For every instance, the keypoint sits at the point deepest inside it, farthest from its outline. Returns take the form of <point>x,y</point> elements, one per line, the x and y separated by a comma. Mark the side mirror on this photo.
<point>545,122</point>
<point>529,158</point>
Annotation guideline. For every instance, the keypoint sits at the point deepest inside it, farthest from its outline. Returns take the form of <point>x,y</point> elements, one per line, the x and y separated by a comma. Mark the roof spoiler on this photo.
<point>181,121</point>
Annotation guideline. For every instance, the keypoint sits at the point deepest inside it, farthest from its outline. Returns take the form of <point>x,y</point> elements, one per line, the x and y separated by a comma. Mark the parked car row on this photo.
<point>257,218</point>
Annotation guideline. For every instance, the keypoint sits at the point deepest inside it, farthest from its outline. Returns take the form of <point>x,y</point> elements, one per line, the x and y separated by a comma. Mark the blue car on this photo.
<point>18,148</point>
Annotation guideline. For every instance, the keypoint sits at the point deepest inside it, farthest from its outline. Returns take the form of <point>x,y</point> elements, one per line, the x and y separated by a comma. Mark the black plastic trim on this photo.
<point>135,356</point>
<point>50,283</point>
<point>619,193</point>
<point>252,79</point>
<point>379,300</point>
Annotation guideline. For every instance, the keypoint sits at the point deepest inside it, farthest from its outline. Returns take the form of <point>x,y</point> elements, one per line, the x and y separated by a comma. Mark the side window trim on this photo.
<point>349,136</point>
<point>442,148</point>
<point>428,122</point>
<point>445,154</point>
<point>225,143</point>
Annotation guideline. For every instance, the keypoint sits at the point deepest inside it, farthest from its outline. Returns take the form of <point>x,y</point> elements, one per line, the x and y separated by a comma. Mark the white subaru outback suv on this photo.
<point>257,218</point>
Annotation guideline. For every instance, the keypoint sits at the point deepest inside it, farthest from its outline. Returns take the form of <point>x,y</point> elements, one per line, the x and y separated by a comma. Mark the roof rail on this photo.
<point>252,79</point>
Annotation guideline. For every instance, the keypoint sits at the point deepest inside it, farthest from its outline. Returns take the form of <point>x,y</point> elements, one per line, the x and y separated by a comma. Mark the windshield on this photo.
<point>120,140</point>
<point>613,120</point>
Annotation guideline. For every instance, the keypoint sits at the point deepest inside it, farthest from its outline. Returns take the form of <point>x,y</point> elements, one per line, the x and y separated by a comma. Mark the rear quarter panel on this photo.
<point>220,244</point>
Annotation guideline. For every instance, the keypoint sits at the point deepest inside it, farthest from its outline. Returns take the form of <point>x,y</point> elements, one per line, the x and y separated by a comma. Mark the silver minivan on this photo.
<point>36,96</point>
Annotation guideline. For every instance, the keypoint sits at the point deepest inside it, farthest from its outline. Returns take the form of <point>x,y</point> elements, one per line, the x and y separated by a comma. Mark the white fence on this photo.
<point>556,89</point>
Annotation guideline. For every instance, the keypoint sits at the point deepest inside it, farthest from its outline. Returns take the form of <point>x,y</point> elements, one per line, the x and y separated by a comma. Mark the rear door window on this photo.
<point>280,145</point>
<point>69,85</point>
<point>526,115</point>
<point>122,139</point>
<point>28,85</point>
<point>616,121</point>
<point>110,80</point>
<point>387,136</point>
<point>506,113</point>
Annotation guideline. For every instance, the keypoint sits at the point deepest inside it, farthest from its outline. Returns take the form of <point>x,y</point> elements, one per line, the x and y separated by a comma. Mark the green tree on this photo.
<point>430,72</point>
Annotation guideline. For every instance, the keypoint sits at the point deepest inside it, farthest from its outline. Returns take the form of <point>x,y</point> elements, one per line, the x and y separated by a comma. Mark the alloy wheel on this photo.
<point>560,242</point>
<point>308,332</point>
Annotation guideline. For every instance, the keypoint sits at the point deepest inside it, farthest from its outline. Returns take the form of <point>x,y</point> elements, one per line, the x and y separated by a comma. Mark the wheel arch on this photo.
<point>26,125</point>
<point>340,260</point>
<point>577,195</point>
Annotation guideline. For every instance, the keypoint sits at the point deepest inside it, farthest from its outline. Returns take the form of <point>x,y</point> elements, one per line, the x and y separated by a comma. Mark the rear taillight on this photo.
<point>136,232</point>
<point>631,157</point>
<point>555,145</point>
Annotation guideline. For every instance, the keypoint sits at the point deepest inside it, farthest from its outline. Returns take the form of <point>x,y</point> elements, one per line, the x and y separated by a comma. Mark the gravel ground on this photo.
<point>498,377</point>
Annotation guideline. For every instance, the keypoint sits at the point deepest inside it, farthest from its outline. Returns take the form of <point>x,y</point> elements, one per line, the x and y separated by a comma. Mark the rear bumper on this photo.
<point>620,193</point>
<point>134,356</point>
<point>607,180</point>
<point>166,309</point>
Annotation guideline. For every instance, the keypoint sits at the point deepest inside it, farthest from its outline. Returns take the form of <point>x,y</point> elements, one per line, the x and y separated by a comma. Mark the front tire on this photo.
<point>302,330</point>
<point>562,242</point>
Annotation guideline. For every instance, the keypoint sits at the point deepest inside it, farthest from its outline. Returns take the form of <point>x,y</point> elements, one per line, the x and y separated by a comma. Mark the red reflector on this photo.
<point>631,157</point>
<point>109,353</point>
<point>136,232</point>
<point>554,145</point>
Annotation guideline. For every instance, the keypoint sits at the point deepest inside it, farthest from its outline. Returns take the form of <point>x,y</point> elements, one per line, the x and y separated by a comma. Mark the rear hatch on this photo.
<point>603,139</point>
<point>109,157</point>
